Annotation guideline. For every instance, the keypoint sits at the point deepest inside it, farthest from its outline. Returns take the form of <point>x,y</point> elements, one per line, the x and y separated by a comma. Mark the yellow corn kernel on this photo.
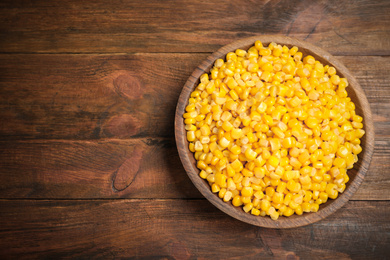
<point>288,212</point>
<point>331,191</point>
<point>259,171</point>
<point>276,52</point>
<point>324,196</point>
<point>246,172</point>
<point>230,171</point>
<point>287,199</point>
<point>267,67</point>
<point>265,205</point>
<point>357,149</point>
<point>331,71</point>
<point>246,181</point>
<point>340,163</point>
<point>298,56</point>
<point>250,154</point>
<point>309,60</point>
<point>281,187</point>
<point>304,157</point>
<point>245,200</point>
<point>191,107</point>
<point>215,188</point>
<point>203,174</point>
<point>293,186</point>
<point>190,128</point>
<point>221,193</point>
<point>240,53</point>
<point>311,122</point>
<point>227,126</point>
<point>304,180</point>
<point>247,191</point>
<point>314,207</point>
<point>303,72</point>
<point>224,142</point>
<point>220,180</point>
<point>237,201</point>
<point>237,165</point>
<point>278,197</point>
<point>248,207</point>
<point>266,76</point>
<point>228,196</point>
<point>233,94</point>
<point>306,207</point>
<point>288,175</point>
<point>201,165</point>
<point>236,133</point>
<point>191,136</point>
<point>259,194</point>
<point>335,79</point>
<point>274,215</point>
<point>342,151</point>
<point>191,146</point>
<point>273,161</point>
<point>235,149</point>
<point>293,50</point>
<point>255,212</point>
<point>259,45</point>
<point>299,210</point>
<point>295,101</point>
<point>278,132</point>
<point>237,178</point>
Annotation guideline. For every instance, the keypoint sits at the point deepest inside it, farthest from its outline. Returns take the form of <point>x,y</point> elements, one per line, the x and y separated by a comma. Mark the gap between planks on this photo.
<point>175,53</point>
<point>135,199</point>
<point>114,199</point>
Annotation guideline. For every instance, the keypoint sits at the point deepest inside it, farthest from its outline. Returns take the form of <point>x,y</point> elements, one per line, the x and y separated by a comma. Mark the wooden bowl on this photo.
<point>356,174</point>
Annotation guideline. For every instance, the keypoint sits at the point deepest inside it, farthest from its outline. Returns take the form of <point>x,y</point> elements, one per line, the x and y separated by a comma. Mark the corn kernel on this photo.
<point>274,161</point>
<point>265,205</point>
<point>237,201</point>
<point>288,212</point>
<point>248,207</point>
<point>215,188</point>
<point>250,154</point>
<point>255,212</point>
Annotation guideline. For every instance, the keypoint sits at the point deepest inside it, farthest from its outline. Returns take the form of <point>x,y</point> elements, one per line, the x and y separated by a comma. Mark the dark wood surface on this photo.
<point>88,162</point>
<point>183,229</point>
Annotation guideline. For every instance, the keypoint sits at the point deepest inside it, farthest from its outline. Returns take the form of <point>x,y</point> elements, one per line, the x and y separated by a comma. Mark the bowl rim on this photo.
<point>237,212</point>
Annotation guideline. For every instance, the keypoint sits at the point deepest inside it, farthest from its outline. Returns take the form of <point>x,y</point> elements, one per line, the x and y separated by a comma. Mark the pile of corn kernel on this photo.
<point>272,131</point>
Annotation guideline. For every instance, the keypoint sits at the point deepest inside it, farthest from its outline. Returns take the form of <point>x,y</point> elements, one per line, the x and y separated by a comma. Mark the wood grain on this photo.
<point>142,168</point>
<point>88,97</point>
<point>181,229</point>
<point>117,26</point>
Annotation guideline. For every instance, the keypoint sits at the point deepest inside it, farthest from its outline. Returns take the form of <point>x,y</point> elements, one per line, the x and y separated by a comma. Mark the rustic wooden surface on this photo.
<point>88,163</point>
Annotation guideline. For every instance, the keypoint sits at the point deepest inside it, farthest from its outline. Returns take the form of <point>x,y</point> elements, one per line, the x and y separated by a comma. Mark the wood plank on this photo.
<point>91,97</point>
<point>138,168</point>
<point>117,26</point>
<point>141,168</point>
<point>181,229</point>
<point>125,96</point>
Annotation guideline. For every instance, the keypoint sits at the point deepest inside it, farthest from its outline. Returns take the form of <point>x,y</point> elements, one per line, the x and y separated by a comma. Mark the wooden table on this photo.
<point>89,166</point>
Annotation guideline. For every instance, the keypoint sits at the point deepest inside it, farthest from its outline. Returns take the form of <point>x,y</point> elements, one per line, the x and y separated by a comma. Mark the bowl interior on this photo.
<point>356,174</point>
